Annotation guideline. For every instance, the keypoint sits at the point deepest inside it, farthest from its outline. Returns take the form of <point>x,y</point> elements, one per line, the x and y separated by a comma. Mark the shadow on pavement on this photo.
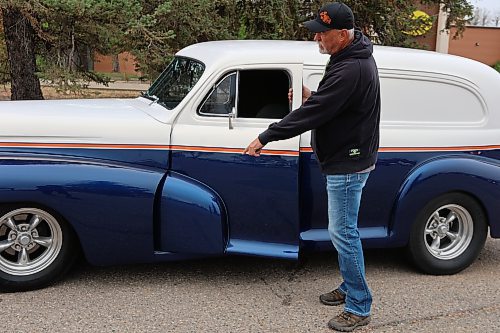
<point>236,268</point>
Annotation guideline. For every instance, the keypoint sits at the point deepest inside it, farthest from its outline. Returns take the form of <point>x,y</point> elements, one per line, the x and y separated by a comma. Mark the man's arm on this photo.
<point>255,147</point>
<point>319,108</point>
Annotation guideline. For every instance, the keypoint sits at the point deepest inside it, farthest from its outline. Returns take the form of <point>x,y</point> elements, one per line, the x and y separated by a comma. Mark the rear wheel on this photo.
<point>448,234</point>
<point>36,248</point>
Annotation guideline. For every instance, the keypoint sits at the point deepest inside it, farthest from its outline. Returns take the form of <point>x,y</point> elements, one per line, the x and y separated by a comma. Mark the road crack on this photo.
<point>283,291</point>
<point>411,321</point>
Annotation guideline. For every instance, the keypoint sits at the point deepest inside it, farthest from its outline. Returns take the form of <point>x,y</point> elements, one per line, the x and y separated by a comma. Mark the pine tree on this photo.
<point>55,39</point>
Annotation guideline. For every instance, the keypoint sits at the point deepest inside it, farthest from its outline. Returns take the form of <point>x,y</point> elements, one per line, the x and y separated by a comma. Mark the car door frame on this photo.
<point>259,218</point>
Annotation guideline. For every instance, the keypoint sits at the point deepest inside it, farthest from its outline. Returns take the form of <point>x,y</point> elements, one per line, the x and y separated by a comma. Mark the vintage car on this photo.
<point>162,177</point>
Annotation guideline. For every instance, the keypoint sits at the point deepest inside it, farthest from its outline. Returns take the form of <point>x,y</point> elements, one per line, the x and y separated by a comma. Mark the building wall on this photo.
<point>104,64</point>
<point>478,43</point>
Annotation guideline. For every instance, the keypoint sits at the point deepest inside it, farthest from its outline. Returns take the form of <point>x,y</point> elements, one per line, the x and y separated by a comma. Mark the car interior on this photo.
<point>261,94</point>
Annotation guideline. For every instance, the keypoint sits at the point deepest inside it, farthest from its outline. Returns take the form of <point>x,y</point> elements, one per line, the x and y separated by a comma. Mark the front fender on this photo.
<point>476,176</point>
<point>110,207</point>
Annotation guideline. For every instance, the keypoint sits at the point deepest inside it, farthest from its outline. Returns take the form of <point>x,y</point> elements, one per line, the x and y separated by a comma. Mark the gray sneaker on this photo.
<point>335,297</point>
<point>347,322</point>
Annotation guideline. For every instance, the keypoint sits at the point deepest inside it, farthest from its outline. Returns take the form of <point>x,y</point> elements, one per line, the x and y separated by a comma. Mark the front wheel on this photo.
<point>448,234</point>
<point>36,248</point>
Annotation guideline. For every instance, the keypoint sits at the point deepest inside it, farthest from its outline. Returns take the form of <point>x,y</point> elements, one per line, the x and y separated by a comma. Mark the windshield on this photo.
<point>175,82</point>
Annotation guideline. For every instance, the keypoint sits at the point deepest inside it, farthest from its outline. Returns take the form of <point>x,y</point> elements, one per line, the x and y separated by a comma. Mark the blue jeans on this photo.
<point>344,197</point>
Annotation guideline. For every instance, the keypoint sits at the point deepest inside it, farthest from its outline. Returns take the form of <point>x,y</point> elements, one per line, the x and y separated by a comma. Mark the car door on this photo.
<point>208,138</point>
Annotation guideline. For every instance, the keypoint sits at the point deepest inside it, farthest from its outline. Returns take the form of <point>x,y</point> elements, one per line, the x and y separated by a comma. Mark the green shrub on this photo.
<point>497,66</point>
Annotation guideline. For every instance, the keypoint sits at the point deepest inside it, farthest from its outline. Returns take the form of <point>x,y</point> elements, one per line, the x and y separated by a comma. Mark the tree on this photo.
<point>20,40</point>
<point>482,17</point>
<point>65,33</point>
<point>485,17</point>
<point>164,27</point>
<point>459,12</point>
<point>387,20</point>
<point>476,16</point>
<point>74,29</point>
<point>257,19</point>
<point>59,35</point>
<point>4,68</point>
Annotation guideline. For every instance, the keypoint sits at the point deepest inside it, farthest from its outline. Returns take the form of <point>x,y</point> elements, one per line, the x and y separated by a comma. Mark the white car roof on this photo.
<point>241,52</point>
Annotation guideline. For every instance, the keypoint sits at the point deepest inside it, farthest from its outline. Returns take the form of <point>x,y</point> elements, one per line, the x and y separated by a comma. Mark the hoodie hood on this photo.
<point>361,48</point>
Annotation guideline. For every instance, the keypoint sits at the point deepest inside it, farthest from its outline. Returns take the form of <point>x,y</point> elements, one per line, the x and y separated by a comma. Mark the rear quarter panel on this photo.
<point>475,176</point>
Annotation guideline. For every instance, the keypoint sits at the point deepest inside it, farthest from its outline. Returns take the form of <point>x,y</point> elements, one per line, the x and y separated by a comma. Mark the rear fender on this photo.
<point>474,176</point>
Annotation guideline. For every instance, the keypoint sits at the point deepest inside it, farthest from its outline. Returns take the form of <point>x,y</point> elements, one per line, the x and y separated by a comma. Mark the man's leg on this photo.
<point>344,197</point>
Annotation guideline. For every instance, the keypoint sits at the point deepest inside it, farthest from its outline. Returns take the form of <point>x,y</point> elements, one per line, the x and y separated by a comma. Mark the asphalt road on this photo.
<point>242,294</point>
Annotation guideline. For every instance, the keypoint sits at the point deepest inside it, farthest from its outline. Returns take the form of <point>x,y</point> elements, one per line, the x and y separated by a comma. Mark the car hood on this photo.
<point>99,121</point>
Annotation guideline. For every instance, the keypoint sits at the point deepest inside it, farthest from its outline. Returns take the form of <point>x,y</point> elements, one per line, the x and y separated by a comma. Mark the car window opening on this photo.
<point>257,93</point>
<point>263,94</point>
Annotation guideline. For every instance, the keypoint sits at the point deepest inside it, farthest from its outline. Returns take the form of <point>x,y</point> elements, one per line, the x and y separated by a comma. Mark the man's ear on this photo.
<point>345,34</point>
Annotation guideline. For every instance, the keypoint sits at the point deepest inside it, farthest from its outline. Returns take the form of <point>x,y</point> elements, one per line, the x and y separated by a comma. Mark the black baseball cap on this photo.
<point>335,15</point>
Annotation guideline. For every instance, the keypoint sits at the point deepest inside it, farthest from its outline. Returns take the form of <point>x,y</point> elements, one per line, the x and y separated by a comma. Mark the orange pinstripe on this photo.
<point>228,150</point>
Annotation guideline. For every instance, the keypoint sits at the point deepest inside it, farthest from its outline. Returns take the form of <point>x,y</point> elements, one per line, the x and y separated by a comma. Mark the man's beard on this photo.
<point>322,50</point>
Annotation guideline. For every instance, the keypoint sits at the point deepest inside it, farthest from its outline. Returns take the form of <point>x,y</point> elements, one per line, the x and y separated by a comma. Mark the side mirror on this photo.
<point>231,116</point>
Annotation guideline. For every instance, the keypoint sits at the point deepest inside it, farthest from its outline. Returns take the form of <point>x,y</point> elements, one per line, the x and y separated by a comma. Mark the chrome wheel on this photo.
<point>448,234</point>
<point>448,231</point>
<point>30,240</point>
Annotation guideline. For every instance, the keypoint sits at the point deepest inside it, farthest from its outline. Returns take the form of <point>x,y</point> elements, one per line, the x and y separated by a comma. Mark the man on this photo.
<point>343,115</point>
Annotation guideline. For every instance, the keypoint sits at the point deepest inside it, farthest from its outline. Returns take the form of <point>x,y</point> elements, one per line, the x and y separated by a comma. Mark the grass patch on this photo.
<point>52,93</point>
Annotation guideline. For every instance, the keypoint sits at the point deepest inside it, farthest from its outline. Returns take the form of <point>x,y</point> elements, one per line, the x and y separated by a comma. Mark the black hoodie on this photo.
<point>344,113</point>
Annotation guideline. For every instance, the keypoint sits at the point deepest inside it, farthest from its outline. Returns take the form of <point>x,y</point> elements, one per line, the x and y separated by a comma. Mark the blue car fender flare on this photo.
<point>191,218</point>
<point>436,177</point>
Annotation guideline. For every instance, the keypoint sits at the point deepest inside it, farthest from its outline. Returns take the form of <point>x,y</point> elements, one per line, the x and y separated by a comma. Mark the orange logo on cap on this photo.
<point>325,17</point>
